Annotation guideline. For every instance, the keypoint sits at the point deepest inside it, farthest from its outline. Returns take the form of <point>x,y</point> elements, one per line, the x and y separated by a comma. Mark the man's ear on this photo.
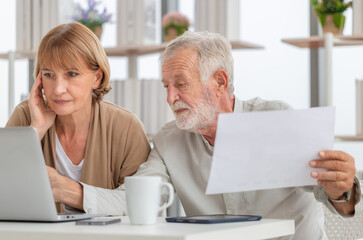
<point>221,78</point>
<point>99,76</point>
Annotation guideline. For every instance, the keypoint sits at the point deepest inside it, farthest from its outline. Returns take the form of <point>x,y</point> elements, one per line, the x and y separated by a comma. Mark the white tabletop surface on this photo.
<point>266,228</point>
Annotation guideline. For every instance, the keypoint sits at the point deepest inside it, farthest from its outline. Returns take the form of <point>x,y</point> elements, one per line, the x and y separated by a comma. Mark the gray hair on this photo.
<point>213,49</point>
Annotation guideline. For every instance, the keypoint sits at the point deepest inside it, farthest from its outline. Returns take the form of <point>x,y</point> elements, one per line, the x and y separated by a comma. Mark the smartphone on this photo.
<point>214,218</point>
<point>99,221</point>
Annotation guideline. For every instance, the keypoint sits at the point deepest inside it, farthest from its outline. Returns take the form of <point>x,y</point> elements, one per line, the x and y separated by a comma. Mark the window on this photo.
<point>7,15</point>
<point>278,72</point>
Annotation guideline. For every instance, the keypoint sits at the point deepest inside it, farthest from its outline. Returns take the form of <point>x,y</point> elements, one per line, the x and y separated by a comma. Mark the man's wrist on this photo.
<point>347,195</point>
<point>344,198</point>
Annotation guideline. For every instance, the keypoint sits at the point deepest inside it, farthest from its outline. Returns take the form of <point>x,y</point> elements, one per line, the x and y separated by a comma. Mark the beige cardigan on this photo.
<point>116,144</point>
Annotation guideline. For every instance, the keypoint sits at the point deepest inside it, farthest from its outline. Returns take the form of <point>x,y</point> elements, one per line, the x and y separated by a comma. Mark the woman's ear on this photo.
<point>99,77</point>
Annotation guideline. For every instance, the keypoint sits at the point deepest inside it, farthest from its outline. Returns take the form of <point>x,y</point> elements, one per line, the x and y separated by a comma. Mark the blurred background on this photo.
<point>271,69</point>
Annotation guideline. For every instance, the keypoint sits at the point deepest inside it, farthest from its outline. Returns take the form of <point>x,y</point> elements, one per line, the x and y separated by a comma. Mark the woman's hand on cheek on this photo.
<point>42,117</point>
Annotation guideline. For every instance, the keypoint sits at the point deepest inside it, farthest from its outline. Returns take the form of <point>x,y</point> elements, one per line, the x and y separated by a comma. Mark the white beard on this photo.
<point>203,116</point>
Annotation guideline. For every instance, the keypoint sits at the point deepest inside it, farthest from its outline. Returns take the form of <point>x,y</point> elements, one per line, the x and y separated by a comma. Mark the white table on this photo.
<point>266,228</point>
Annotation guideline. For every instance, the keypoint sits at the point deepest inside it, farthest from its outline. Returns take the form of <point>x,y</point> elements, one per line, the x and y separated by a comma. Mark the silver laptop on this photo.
<point>25,192</point>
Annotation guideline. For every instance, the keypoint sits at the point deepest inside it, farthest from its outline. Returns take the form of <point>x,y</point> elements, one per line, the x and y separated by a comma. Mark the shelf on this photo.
<point>121,51</point>
<point>326,41</point>
<point>137,50</point>
<point>19,55</point>
<point>245,45</point>
<point>318,41</point>
<point>349,138</point>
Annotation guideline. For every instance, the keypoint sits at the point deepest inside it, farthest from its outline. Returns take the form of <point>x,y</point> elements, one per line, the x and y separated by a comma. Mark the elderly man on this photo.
<point>197,73</point>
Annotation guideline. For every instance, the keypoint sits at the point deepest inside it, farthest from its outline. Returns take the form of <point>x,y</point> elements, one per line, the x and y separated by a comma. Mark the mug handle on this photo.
<point>171,195</point>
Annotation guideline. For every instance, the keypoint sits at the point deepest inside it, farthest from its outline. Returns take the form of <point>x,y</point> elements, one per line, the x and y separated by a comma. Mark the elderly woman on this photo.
<point>89,145</point>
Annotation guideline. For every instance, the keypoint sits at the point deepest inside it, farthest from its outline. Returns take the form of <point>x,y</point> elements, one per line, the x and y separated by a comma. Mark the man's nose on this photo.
<point>173,94</point>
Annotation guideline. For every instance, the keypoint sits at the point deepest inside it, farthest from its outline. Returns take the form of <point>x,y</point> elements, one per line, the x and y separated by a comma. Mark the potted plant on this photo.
<point>330,14</point>
<point>91,17</point>
<point>174,24</point>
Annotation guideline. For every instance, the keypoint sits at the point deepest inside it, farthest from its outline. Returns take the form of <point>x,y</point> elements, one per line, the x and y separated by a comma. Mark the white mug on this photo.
<point>143,194</point>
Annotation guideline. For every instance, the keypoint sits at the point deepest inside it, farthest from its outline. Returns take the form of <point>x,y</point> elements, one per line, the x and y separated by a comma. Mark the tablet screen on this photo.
<point>214,218</point>
<point>221,216</point>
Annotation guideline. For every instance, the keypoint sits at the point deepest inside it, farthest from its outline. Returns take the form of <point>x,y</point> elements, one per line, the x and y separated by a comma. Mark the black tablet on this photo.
<point>214,218</point>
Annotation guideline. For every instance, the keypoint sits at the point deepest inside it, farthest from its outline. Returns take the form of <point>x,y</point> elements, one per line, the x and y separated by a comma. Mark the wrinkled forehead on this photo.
<point>182,59</point>
<point>63,57</point>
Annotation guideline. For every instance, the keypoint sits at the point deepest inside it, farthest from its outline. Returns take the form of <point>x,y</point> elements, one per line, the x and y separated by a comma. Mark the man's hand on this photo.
<point>65,190</point>
<point>339,177</point>
<point>55,180</point>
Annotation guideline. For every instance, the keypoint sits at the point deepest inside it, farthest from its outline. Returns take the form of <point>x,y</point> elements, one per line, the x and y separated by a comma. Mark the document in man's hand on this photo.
<point>271,149</point>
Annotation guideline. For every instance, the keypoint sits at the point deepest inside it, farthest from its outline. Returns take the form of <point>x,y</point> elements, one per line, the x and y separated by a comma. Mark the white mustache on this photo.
<point>178,105</point>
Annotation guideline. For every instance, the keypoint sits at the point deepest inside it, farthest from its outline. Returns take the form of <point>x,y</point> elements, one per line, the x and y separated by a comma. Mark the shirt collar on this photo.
<point>238,106</point>
<point>210,147</point>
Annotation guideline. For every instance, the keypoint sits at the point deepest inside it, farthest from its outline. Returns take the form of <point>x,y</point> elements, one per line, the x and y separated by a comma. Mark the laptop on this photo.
<point>25,191</point>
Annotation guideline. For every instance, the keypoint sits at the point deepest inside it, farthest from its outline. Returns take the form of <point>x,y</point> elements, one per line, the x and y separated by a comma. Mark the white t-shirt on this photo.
<point>65,166</point>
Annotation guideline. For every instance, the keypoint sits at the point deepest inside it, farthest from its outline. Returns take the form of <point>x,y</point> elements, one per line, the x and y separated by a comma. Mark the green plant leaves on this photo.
<point>339,20</point>
<point>179,28</point>
<point>330,6</point>
<point>322,18</point>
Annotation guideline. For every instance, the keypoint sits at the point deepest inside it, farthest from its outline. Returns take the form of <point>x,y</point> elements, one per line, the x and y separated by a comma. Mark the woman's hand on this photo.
<point>42,117</point>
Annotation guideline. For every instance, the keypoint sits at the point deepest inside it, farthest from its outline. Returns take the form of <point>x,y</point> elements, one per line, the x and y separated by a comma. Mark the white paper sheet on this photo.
<point>271,149</point>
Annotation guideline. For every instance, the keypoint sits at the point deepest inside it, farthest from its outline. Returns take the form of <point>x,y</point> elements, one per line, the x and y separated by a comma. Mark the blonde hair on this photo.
<point>67,45</point>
